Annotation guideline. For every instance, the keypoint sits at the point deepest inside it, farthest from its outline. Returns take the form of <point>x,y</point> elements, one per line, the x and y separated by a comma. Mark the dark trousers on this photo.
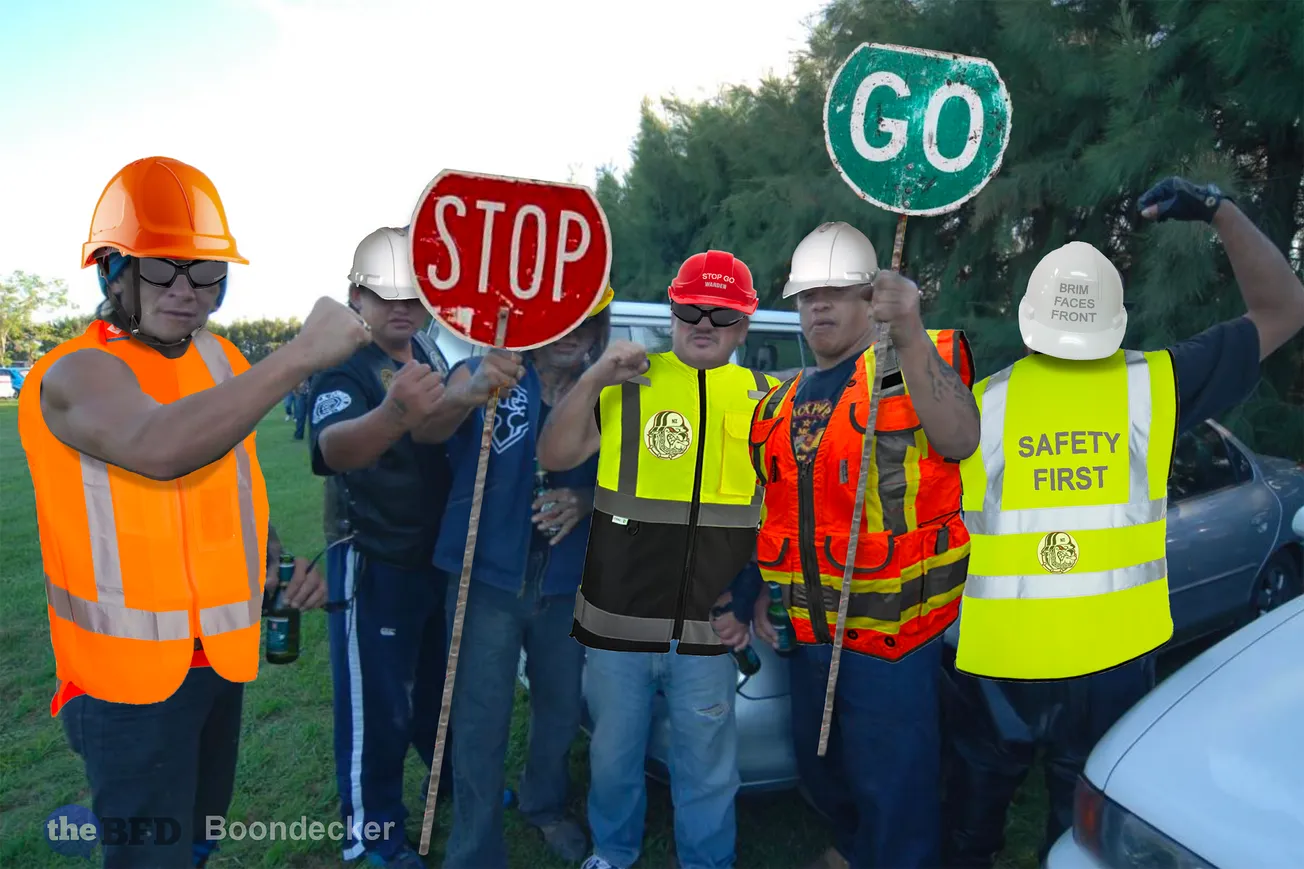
<point>174,759</point>
<point>300,415</point>
<point>497,625</point>
<point>387,662</point>
<point>879,783</point>
<point>994,730</point>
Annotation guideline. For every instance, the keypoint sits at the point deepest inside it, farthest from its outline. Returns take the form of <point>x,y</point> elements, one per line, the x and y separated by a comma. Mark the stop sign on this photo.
<point>484,244</point>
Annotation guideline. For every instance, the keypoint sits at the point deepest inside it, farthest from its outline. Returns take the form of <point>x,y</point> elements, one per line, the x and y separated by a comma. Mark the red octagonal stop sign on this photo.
<point>484,243</point>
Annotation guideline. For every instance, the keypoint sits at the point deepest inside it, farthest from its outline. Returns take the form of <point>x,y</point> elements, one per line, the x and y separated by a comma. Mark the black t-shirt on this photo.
<point>393,508</point>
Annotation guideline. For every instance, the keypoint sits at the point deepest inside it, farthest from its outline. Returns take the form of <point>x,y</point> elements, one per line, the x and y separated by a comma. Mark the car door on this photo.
<point>1219,527</point>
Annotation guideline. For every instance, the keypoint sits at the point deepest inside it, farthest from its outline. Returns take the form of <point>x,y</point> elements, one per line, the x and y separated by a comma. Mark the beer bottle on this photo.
<point>541,486</point>
<point>749,663</point>
<point>283,620</point>
<point>779,619</point>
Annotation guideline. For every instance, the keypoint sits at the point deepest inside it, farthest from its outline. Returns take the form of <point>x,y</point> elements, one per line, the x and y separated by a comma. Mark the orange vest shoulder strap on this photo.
<point>953,347</point>
<point>764,419</point>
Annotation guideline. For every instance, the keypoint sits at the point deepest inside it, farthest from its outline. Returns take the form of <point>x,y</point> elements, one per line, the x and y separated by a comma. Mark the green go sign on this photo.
<point>914,131</point>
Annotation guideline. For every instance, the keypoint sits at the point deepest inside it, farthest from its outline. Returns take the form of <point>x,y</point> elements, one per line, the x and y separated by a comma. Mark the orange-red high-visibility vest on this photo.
<point>913,549</point>
<point>137,570</point>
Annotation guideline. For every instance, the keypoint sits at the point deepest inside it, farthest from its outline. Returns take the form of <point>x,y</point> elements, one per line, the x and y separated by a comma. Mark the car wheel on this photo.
<point>1278,582</point>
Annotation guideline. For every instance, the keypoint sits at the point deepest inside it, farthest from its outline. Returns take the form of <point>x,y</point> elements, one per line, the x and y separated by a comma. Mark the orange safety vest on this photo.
<point>913,550</point>
<point>140,572</point>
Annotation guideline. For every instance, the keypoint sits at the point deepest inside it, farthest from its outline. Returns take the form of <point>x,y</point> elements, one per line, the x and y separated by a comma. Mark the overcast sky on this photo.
<point>320,120</point>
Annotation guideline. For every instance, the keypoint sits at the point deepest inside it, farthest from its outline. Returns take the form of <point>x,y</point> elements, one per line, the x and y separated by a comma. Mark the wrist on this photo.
<point>909,334</point>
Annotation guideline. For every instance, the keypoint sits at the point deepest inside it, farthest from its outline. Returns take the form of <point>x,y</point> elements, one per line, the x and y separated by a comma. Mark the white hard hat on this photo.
<point>1073,307</point>
<point>1298,525</point>
<point>834,255</point>
<point>381,265</point>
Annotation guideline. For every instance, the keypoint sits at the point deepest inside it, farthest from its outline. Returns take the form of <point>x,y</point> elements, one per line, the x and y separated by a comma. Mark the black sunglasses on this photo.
<point>163,272</point>
<point>719,317</point>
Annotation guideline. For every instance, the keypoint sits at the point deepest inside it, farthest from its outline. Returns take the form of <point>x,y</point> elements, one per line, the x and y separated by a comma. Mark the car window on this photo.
<point>775,353</point>
<point>1201,464</point>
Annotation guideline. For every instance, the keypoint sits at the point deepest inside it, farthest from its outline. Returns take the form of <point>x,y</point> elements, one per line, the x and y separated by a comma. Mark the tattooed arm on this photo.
<point>945,406</point>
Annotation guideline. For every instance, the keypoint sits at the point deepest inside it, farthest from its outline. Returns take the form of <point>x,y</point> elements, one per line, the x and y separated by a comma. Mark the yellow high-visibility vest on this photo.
<point>1066,502</point>
<point>676,507</point>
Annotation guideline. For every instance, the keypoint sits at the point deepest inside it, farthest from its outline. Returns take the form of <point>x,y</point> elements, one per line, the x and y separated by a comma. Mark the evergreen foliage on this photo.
<point>1109,98</point>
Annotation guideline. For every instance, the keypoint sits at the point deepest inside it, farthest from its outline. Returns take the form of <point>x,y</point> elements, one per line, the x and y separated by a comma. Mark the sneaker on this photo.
<point>567,840</point>
<point>404,858</point>
<point>596,862</point>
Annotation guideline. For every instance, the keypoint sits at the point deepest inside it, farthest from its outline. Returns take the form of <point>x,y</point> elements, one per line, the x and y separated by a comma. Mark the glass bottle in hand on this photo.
<point>283,619</point>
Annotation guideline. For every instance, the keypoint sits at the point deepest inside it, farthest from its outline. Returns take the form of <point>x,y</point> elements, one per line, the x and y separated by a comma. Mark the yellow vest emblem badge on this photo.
<point>667,434</point>
<point>1058,552</point>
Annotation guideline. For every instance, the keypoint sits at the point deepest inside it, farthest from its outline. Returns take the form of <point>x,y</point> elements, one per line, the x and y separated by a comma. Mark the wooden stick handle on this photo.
<point>857,513</point>
<point>459,616</point>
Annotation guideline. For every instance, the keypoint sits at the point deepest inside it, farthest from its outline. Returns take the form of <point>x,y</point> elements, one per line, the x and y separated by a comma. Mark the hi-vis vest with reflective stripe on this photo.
<point>1066,503</point>
<point>137,569</point>
<point>675,510</point>
<point>913,547</point>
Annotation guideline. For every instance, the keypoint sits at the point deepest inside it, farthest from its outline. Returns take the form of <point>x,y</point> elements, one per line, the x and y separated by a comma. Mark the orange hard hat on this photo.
<point>160,207</point>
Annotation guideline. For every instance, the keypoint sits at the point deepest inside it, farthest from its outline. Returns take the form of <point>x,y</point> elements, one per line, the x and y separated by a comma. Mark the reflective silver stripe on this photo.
<point>664,512</point>
<point>640,630</point>
<point>992,438</point>
<point>241,614</point>
<point>1044,586</point>
<point>640,380</point>
<point>1048,519</point>
<point>1138,413</point>
<point>115,620</point>
<point>103,528</point>
<point>108,613</point>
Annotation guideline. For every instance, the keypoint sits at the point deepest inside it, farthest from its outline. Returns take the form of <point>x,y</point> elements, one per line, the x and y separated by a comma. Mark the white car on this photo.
<point>1207,771</point>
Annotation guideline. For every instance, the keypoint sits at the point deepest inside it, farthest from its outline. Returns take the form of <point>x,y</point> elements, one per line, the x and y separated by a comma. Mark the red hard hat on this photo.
<point>715,279</point>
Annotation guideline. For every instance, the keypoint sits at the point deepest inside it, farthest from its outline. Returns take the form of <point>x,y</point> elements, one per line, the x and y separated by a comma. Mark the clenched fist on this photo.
<point>413,393</point>
<point>622,361</point>
<point>500,369</point>
<point>894,300</point>
<point>331,334</point>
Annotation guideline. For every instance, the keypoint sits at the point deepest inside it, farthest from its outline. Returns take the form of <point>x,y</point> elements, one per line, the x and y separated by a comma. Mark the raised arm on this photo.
<point>93,403</point>
<point>571,436</point>
<point>1274,297</point>
<point>465,391</point>
<point>944,404</point>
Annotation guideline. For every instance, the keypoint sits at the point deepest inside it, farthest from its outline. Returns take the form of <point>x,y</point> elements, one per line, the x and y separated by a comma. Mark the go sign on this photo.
<point>914,131</point>
<point>484,243</point>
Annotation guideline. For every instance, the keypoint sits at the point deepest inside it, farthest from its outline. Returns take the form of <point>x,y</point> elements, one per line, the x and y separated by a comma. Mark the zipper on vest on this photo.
<point>694,508</point>
<point>810,559</point>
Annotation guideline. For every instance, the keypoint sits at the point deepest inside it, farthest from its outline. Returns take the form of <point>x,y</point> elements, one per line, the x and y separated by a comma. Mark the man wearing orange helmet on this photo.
<point>155,570</point>
<point>674,522</point>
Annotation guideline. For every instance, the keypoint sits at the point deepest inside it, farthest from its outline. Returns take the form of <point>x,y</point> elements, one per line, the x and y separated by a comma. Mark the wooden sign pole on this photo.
<point>881,349</point>
<point>463,587</point>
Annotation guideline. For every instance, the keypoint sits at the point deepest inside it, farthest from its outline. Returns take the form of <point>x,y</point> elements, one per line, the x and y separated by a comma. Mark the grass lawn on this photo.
<point>286,768</point>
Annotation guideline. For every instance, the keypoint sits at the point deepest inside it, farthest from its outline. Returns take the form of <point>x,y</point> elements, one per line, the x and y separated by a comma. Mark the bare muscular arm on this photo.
<point>945,406</point>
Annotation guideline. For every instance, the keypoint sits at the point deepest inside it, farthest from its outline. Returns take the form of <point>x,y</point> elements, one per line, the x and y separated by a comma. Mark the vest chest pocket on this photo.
<point>737,473</point>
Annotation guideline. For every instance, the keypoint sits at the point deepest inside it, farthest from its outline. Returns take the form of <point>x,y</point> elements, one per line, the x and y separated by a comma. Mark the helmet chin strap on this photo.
<point>132,322</point>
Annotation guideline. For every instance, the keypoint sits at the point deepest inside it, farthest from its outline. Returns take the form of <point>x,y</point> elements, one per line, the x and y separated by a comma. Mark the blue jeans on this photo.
<point>497,625</point>
<point>879,783</point>
<point>704,779</point>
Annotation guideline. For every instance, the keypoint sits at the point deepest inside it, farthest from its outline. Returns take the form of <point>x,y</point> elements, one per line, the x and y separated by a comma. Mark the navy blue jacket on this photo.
<point>504,541</point>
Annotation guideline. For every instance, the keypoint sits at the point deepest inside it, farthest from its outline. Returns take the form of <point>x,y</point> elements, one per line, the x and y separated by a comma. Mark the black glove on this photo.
<point>1178,199</point>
